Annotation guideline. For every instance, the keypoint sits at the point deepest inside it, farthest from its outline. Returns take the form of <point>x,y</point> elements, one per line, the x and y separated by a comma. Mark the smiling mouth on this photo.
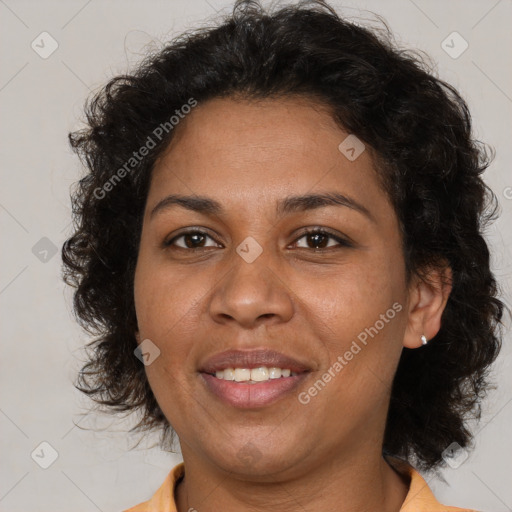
<point>252,378</point>
<point>249,393</point>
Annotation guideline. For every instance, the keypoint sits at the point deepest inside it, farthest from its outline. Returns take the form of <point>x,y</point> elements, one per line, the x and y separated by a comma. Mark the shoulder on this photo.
<point>163,499</point>
<point>420,497</point>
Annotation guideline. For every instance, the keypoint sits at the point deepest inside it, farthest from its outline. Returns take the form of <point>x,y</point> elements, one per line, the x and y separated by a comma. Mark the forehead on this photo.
<point>250,151</point>
<point>237,128</point>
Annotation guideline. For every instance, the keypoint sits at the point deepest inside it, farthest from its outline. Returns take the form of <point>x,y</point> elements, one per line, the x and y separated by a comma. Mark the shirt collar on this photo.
<point>419,498</point>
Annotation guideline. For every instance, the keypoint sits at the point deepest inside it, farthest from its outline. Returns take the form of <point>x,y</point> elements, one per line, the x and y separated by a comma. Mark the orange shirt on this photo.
<point>418,499</point>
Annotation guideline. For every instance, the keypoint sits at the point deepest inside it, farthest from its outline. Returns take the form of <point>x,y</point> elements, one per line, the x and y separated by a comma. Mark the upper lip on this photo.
<point>252,359</point>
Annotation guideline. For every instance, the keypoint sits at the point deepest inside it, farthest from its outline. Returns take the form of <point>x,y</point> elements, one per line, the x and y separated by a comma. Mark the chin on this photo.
<point>255,460</point>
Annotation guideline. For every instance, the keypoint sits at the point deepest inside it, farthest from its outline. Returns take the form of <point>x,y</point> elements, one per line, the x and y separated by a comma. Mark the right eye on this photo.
<point>192,239</point>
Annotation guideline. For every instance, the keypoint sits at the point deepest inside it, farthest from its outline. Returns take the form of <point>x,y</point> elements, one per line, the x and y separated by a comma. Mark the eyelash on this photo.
<point>309,231</point>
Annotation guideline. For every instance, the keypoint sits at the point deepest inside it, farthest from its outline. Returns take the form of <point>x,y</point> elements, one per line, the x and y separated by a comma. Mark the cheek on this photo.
<point>164,297</point>
<point>168,306</point>
<point>361,311</point>
<point>353,297</point>
<point>163,313</point>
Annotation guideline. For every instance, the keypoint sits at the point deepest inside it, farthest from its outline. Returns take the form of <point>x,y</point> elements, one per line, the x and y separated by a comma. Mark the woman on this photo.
<point>279,244</point>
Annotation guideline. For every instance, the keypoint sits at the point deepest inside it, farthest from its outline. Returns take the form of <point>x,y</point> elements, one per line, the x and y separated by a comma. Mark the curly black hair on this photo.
<point>429,164</point>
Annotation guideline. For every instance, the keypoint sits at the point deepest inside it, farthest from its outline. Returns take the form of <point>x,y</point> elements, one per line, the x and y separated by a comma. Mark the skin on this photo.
<point>305,302</point>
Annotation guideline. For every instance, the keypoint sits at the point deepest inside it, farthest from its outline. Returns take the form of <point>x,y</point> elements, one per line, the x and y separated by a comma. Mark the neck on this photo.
<point>353,486</point>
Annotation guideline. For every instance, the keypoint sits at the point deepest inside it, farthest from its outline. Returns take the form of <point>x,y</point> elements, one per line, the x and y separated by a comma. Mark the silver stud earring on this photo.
<point>423,339</point>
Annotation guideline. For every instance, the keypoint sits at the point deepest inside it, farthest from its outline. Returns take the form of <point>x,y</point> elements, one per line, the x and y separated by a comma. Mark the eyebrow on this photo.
<point>290,204</point>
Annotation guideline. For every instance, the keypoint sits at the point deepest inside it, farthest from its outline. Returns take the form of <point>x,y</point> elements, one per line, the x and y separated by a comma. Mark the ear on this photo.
<point>428,296</point>
<point>137,336</point>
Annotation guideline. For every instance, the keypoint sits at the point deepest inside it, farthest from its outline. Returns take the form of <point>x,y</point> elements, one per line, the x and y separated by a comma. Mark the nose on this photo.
<point>252,293</point>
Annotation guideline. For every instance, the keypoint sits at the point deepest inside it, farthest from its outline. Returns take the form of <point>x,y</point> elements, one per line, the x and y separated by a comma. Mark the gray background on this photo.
<point>41,100</point>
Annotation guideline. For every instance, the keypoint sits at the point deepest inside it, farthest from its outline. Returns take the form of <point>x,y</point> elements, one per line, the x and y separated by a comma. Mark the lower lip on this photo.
<point>249,396</point>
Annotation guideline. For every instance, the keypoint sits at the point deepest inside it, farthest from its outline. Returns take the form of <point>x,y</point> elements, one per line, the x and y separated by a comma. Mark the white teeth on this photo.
<point>229,374</point>
<point>260,374</point>
<point>242,374</point>
<point>275,373</point>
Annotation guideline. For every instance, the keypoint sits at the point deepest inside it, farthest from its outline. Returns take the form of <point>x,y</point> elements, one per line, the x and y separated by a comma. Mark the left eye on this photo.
<point>320,237</point>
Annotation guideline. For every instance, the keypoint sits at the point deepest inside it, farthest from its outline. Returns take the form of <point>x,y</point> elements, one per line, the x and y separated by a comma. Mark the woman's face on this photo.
<point>253,279</point>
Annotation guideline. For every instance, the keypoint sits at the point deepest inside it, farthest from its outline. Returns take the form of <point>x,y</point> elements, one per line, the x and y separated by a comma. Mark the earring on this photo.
<point>423,339</point>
